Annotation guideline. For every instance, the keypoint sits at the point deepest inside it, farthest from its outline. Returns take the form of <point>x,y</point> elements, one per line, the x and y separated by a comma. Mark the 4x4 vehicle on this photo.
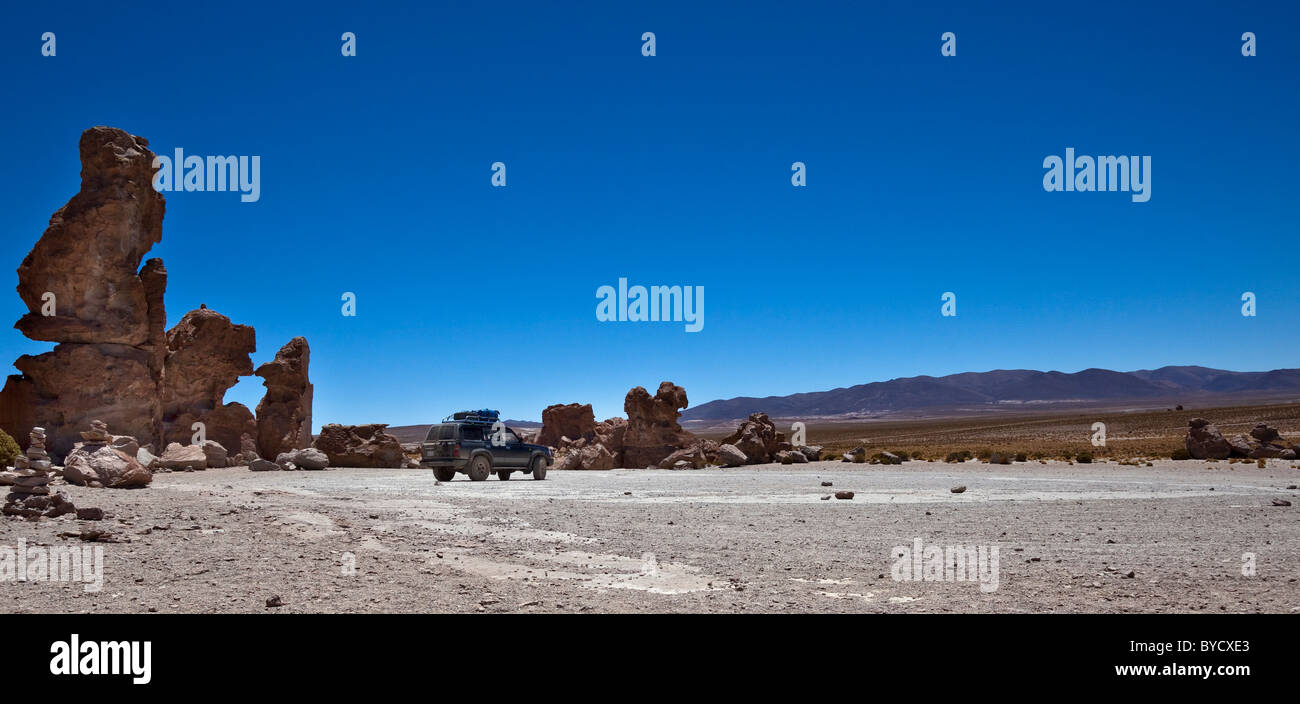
<point>477,443</point>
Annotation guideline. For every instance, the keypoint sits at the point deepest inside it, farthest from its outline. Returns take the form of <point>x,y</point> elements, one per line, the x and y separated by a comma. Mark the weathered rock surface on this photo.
<point>284,414</point>
<point>114,360</point>
<point>1204,441</point>
<point>731,456</point>
<point>359,446</point>
<point>110,467</point>
<point>570,420</point>
<point>260,465</point>
<point>757,438</point>
<point>214,454</point>
<point>309,458</point>
<point>652,431</point>
<point>178,456</point>
<point>90,254</point>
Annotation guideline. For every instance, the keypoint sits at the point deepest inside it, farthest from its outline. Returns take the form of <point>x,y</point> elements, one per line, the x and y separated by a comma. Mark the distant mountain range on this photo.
<point>1002,389</point>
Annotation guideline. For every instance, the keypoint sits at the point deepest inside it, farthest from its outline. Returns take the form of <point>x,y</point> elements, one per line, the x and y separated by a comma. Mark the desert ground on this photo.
<point>1172,537</point>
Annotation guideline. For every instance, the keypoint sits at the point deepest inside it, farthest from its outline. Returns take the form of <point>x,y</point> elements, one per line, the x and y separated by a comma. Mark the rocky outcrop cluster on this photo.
<point>86,290</point>
<point>651,437</point>
<point>648,435</point>
<point>1204,441</point>
<point>359,446</point>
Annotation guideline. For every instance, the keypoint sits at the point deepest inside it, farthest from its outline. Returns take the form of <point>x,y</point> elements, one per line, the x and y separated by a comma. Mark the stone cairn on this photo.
<point>30,496</point>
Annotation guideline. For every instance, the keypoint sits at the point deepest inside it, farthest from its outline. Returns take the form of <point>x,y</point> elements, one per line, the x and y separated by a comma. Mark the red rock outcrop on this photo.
<point>360,446</point>
<point>757,438</point>
<point>206,355</point>
<point>652,430</point>
<point>85,289</point>
<point>89,256</point>
<point>284,414</point>
<point>566,420</point>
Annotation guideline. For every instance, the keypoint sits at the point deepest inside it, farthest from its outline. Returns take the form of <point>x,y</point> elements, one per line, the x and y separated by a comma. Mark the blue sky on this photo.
<point>924,176</point>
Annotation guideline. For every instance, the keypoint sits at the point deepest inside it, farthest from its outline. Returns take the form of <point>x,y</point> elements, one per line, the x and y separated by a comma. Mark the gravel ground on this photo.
<point>756,539</point>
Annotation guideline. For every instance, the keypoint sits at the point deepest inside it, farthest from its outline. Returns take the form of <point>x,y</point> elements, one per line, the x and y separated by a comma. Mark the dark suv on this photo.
<point>477,443</point>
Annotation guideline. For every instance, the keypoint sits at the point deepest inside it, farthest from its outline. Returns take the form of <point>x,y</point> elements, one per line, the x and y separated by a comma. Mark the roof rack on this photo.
<point>485,415</point>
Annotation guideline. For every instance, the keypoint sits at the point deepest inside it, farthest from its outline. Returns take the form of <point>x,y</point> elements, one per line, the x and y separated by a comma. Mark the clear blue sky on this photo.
<point>924,176</point>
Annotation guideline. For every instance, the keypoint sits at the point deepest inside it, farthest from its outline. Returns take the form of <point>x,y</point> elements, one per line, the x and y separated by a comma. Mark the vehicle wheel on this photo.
<point>538,467</point>
<point>479,468</point>
<point>444,474</point>
<point>503,475</point>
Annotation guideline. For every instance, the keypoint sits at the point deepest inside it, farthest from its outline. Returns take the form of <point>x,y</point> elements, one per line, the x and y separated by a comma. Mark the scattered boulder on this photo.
<point>95,463</point>
<point>214,453</point>
<point>757,438</point>
<point>285,461</point>
<point>692,457</point>
<point>731,456</point>
<point>844,495</point>
<point>360,446</point>
<point>260,465</point>
<point>146,458</point>
<point>1204,441</point>
<point>812,452</point>
<point>178,456</point>
<point>311,459</point>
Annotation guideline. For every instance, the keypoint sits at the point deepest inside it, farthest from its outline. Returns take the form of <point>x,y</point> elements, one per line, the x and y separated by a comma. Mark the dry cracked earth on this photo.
<point>1070,538</point>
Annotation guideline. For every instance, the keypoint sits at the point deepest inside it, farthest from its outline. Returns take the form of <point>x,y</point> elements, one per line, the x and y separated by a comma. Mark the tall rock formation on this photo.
<point>284,414</point>
<point>652,430</point>
<point>86,290</point>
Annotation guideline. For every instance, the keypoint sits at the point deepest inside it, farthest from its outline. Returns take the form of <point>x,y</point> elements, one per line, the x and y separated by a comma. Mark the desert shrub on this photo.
<point>1181,454</point>
<point>960,456</point>
<point>1022,457</point>
<point>8,449</point>
<point>1083,458</point>
<point>903,454</point>
<point>787,459</point>
<point>859,458</point>
<point>882,458</point>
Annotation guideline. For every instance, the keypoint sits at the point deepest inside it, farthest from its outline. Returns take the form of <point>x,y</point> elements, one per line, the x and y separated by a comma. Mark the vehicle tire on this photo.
<point>479,468</point>
<point>503,475</point>
<point>444,474</point>
<point>538,467</point>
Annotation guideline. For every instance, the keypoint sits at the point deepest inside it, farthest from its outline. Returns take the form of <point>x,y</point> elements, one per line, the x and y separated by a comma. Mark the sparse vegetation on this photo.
<point>1055,436</point>
<point>9,449</point>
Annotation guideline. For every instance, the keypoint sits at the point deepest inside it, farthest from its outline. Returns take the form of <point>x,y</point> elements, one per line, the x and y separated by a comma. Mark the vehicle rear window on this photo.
<point>471,432</point>
<point>441,432</point>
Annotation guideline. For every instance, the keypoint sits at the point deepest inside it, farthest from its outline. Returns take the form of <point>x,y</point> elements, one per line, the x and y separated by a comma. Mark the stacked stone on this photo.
<point>30,495</point>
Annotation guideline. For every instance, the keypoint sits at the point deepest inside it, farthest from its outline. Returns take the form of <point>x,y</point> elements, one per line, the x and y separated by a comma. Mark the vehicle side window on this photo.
<point>471,433</point>
<point>511,437</point>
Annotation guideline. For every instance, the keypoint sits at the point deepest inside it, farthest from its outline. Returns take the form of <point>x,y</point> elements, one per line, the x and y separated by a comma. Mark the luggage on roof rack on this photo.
<point>481,416</point>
